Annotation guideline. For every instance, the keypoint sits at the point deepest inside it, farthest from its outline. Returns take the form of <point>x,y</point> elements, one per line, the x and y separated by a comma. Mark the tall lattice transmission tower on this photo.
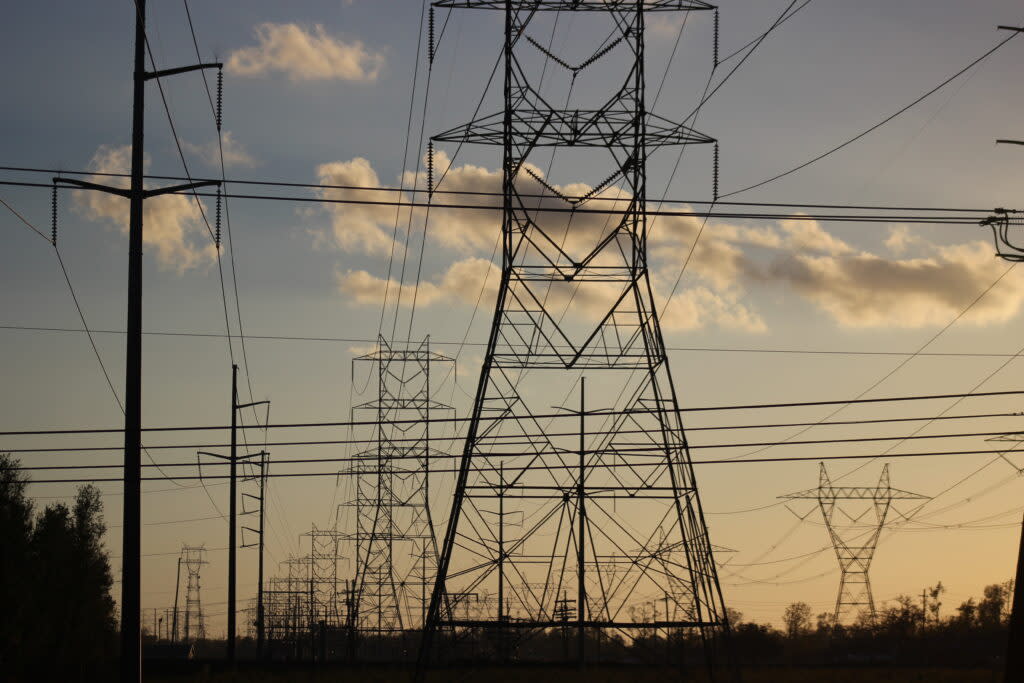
<point>394,537</point>
<point>194,557</point>
<point>610,518</point>
<point>854,517</point>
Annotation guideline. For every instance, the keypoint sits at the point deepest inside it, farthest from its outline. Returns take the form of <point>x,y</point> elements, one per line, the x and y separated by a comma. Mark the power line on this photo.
<point>971,220</point>
<point>721,461</point>
<point>484,193</point>
<point>356,423</point>
<point>879,124</point>
<point>367,340</point>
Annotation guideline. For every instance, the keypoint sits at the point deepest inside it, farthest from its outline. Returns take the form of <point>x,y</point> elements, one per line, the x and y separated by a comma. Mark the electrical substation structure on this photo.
<point>590,521</point>
<point>393,537</point>
<point>854,534</point>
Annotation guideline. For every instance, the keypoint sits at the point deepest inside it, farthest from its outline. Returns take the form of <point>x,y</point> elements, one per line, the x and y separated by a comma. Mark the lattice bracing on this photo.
<point>590,520</point>
<point>394,537</point>
<point>854,532</point>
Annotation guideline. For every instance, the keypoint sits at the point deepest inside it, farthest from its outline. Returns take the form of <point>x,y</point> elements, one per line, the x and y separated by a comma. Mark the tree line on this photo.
<point>907,631</point>
<point>57,618</point>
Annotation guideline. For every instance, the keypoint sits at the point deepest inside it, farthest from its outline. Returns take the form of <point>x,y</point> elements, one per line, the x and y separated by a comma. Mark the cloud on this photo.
<point>366,228</point>
<point>865,290</point>
<point>854,288</point>
<point>173,224</point>
<point>235,155</point>
<point>305,55</point>
<point>462,281</point>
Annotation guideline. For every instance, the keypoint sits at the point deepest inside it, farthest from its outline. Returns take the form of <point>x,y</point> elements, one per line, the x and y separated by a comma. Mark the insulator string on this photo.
<point>220,96</point>
<point>53,215</point>
<point>714,172</point>
<point>430,43</point>
<point>217,233</point>
<point>430,168</point>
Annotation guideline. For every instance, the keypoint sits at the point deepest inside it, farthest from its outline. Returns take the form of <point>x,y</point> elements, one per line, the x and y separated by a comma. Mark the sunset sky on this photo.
<point>767,311</point>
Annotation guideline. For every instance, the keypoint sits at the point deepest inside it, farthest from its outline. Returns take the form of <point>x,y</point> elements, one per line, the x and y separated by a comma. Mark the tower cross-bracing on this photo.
<point>394,539</point>
<point>854,532</point>
<point>575,503</point>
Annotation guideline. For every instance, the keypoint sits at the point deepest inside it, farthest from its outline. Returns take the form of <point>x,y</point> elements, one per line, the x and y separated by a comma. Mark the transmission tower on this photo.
<point>193,557</point>
<point>609,484</point>
<point>854,532</point>
<point>325,545</point>
<point>396,548</point>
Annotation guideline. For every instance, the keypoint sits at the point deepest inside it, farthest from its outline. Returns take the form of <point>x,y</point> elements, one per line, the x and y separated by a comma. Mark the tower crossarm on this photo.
<point>574,128</point>
<point>853,493</point>
<point>582,5</point>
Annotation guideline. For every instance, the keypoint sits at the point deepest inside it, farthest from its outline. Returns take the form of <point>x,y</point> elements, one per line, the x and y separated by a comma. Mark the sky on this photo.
<point>767,311</point>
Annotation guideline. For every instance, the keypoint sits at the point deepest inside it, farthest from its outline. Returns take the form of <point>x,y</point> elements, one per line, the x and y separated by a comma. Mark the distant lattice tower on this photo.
<point>194,557</point>
<point>324,555</point>
<point>394,538</point>
<point>854,532</point>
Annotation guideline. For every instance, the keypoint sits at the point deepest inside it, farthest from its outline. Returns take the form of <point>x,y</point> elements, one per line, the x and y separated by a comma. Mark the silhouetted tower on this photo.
<point>194,557</point>
<point>325,546</point>
<point>610,483</point>
<point>396,548</point>
<point>854,532</point>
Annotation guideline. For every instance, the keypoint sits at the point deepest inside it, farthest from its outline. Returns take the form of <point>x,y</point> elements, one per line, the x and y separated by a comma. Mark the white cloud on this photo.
<point>865,290</point>
<point>173,224</point>
<point>854,288</point>
<point>358,227</point>
<point>305,55</point>
<point>235,155</point>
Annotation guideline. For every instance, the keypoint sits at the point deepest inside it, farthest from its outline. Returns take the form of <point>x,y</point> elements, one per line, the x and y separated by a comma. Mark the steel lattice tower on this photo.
<point>608,515</point>
<point>194,557</point>
<point>395,543</point>
<point>324,553</point>
<point>856,538</point>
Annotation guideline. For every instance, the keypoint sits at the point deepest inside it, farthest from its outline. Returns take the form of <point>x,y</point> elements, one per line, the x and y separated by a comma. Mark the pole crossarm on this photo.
<point>127,192</point>
<point>150,75</point>
<point>584,5</point>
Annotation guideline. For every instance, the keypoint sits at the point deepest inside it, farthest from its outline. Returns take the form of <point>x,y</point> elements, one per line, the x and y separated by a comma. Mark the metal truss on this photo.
<point>854,532</point>
<point>394,538</point>
<point>582,521</point>
<point>288,607</point>
<point>327,596</point>
<point>194,557</point>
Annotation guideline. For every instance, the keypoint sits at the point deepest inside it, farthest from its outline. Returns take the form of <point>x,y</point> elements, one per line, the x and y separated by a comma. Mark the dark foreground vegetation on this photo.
<point>57,623</point>
<point>56,612</point>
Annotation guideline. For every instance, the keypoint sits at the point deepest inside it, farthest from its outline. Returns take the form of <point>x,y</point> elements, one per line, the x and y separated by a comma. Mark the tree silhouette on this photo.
<point>60,614</point>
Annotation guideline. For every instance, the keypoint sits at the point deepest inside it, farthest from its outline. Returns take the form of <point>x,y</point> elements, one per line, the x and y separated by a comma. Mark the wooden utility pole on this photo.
<point>232,514</point>
<point>131,544</point>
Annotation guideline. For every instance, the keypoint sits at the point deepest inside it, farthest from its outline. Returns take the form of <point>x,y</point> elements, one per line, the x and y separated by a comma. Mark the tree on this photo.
<point>58,617</point>
<point>966,613</point>
<point>797,619</point>
<point>935,605</point>
<point>15,530</point>
<point>993,607</point>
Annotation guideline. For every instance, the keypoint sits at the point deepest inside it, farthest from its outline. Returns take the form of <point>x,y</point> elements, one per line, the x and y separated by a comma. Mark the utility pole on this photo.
<point>131,546</point>
<point>581,514</point>
<point>233,513</point>
<point>177,585</point>
<point>260,611</point>
<point>233,459</point>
